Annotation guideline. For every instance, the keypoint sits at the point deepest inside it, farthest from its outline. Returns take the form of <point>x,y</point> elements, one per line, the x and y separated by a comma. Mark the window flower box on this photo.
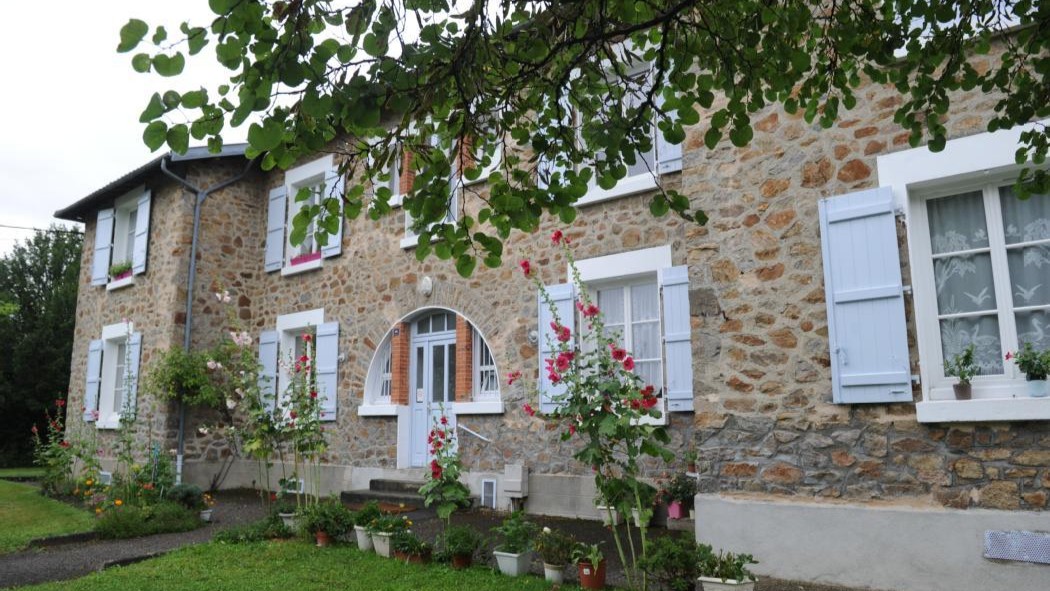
<point>305,258</point>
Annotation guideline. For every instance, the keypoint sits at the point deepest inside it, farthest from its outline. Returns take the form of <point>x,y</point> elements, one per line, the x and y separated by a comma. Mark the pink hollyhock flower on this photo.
<point>513,377</point>
<point>307,338</point>
<point>526,267</point>
<point>590,312</point>
<point>556,237</point>
<point>1009,355</point>
<point>564,334</point>
<point>528,409</point>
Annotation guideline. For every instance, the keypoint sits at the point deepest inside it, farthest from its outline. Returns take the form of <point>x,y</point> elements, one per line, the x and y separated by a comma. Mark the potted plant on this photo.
<point>609,514</point>
<point>691,456</point>
<point>286,508</point>
<point>679,495</point>
<point>461,542</point>
<point>513,553</point>
<point>1036,366</point>
<point>325,520</point>
<point>362,519</point>
<point>383,528</point>
<point>555,548</point>
<point>727,572</point>
<point>962,366</point>
<point>209,506</point>
<point>191,497</point>
<point>675,561</point>
<point>120,270</point>
<point>591,564</point>
<point>408,547</point>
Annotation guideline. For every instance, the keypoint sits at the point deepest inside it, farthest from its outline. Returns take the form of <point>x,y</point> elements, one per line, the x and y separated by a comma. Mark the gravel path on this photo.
<point>69,561</point>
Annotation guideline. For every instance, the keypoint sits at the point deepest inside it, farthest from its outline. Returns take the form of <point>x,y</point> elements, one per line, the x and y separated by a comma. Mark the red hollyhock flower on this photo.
<point>444,420</point>
<point>554,378</point>
<point>647,391</point>
<point>591,311</point>
<point>513,377</point>
<point>556,237</point>
<point>1009,355</point>
<point>313,394</point>
<point>307,338</point>
<point>292,414</point>
<point>572,430</point>
<point>528,409</point>
<point>564,334</point>
<point>619,354</point>
<point>34,430</point>
<point>636,404</point>
<point>60,403</point>
<point>650,402</point>
<point>628,363</point>
<point>526,267</point>
<point>304,359</point>
<point>64,444</point>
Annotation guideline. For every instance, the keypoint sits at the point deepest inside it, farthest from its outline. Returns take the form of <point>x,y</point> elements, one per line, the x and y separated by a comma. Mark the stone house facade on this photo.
<point>813,420</point>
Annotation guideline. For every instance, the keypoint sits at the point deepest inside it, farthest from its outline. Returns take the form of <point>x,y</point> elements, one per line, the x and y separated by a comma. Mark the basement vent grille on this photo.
<point>1022,546</point>
<point>105,478</point>
<point>488,493</point>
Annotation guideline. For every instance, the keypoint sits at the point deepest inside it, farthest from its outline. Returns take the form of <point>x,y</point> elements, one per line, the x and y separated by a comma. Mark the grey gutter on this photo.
<point>201,195</point>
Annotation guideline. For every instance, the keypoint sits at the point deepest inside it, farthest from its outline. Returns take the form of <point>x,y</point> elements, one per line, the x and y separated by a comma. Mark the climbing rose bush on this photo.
<point>606,409</point>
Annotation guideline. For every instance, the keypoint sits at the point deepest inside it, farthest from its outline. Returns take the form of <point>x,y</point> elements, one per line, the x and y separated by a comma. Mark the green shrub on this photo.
<point>131,521</point>
<point>269,528</point>
<point>728,566</point>
<point>516,533</point>
<point>329,516</point>
<point>675,561</point>
<point>462,540</point>
<point>367,514</point>
<point>187,495</point>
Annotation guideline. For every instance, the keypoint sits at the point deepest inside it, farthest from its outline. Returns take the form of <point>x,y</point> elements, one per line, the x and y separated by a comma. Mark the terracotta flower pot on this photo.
<point>592,577</point>
<point>323,539</point>
<point>963,391</point>
<point>461,561</point>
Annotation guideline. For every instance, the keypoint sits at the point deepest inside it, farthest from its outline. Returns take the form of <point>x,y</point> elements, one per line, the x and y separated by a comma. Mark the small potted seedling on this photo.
<point>120,270</point>
<point>555,548</point>
<point>514,553</point>
<point>383,528</point>
<point>964,367</point>
<point>408,547</point>
<point>362,519</point>
<point>727,572</point>
<point>591,564</point>
<point>679,495</point>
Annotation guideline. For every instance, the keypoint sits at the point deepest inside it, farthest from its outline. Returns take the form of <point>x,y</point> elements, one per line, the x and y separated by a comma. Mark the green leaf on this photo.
<point>266,136</point>
<point>131,35</point>
<point>169,65</point>
<point>178,138</point>
<point>160,35</point>
<point>659,206</point>
<point>141,63</point>
<point>154,109</point>
<point>155,135</point>
<point>194,98</point>
<point>465,264</point>
<point>712,137</point>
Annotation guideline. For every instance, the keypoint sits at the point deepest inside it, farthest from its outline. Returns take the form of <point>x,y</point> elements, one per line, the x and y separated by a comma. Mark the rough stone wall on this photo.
<point>764,420</point>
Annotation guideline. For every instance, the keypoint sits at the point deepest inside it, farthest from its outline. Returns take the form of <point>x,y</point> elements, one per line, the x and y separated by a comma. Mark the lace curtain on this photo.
<point>965,279</point>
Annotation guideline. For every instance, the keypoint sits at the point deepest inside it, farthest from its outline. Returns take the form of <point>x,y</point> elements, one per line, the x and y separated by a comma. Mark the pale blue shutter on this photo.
<point>865,298</point>
<point>141,246</point>
<point>669,155</point>
<point>268,369</point>
<point>334,189</point>
<point>678,350</point>
<point>132,377</point>
<point>103,247</point>
<point>275,220</point>
<point>94,378</point>
<point>327,363</point>
<point>563,298</point>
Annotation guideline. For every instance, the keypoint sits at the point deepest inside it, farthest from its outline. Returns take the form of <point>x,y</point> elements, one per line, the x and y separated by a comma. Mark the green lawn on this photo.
<point>279,566</point>
<point>21,472</point>
<point>25,514</point>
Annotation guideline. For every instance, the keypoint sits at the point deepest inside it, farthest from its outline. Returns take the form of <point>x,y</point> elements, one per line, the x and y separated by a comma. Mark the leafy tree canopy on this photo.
<point>555,86</point>
<point>38,302</point>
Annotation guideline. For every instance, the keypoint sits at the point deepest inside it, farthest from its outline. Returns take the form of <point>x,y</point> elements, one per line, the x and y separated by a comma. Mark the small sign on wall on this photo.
<point>420,396</point>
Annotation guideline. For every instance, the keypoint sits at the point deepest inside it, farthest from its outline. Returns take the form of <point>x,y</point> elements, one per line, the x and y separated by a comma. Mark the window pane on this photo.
<point>1030,274</point>
<point>964,283</point>
<point>610,301</point>
<point>1034,327</point>
<point>450,391</point>
<point>420,382</point>
<point>957,222</point>
<point>1024,221</point>
<point>118,382</point>
<point>645,302</point>
<point>983,331</point>
<point>438,369</point>
<point>645,340</point>
<point>649,371</point>
<point>129,246</point>
<point>437,322</point>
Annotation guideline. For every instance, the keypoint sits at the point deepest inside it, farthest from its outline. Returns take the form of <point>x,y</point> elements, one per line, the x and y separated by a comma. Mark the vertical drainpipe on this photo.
<point>201,195</point>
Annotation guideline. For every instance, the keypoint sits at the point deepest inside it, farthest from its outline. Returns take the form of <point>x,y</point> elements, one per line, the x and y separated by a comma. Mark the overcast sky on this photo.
<point>70,103</point>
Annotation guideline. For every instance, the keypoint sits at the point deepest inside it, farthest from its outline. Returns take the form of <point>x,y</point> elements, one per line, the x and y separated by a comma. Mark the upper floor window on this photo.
<point>121,240</point>
<point>312,192</point>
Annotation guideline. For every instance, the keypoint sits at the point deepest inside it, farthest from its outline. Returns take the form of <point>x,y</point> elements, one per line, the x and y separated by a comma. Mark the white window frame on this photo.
<point>631,268</point>
<point>113,337</point>
<point>479,345</point>
<point>916,175</point>
<point>309,175</point>
<point>125,212</point>
<point>290,326</point>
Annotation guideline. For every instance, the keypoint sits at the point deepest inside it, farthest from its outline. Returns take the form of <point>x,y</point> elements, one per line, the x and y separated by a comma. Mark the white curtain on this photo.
<point>1028,221</point>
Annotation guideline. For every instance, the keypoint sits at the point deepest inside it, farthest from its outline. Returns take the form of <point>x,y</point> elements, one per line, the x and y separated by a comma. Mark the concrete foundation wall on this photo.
<point>899,548</point>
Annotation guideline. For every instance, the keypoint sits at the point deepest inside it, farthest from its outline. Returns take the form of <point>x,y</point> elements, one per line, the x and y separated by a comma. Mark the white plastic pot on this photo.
<point>381,541</point>
<point>364,541</point>
<point>713,584</point>
<point>513,565</point>
<point>554,573</point>
<point>606,520</point>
